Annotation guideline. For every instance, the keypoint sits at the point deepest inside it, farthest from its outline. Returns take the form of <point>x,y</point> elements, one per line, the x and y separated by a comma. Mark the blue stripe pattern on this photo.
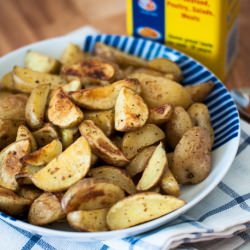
<point>223,112</point>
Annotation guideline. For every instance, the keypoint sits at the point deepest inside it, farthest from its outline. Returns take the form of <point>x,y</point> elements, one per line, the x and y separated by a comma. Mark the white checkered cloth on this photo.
<point>220,221</point>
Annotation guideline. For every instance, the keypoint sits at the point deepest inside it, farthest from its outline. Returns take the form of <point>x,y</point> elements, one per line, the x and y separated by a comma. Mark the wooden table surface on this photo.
<point>26,21</point>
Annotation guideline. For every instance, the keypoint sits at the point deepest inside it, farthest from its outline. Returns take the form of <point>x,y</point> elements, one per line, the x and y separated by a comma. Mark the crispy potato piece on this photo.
<point>131,112</point>
<point>145,136</point>
<point>66,169</point>
<point>11,203</point>
<point>192,156</point>
<point>26,79</point>
<point>74,85</point>
<point>88,220</point>
<point>200,117</point>
<point>158,90</point>
<point>116,176</point>
<point>42,63</point>
<point>103,119</point>
<point>118,56</point>
<point>179,123</point>
<point>72,54</point>
<point>43,155</point>
<point>139,208</point>
<point>62,111</point>
<point>139,162</point>
<point>102,145</point>
<point>45,135</point>
<point>29,192</point>
<point>166,66</point>
<point>7,82</point>
<point>45,209</point>
<point>10,164</point>
<point>103,98</point>
<point>67,136</point>
<point>160,114</point>
<point>91,193</point>
<point>168,183</point>
<point>200,92</point>
<point>154,169</point>
<point>36,105</point>
<point>24,133</point>
<point>25,174</point>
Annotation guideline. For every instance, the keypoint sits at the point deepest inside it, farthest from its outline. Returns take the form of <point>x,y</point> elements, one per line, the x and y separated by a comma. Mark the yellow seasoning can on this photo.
<point>205,29</point>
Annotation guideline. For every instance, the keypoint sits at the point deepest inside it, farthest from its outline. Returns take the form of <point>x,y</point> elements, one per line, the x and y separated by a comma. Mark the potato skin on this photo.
<point>161,114</point>
<point>192,159</point>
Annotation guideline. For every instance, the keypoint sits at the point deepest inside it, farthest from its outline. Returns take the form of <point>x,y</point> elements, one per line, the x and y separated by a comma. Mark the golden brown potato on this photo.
<point>103,119</point>
<point>24,133</point>
<point>91,193</point>
<point>45,135</point>
<point>200,117</point>
<point>160,114</point>
<point>11,203</point>
<point>145,136</point>
<point>45,209</point>
<point>131,112</point>
<point>118,56</point>
<point>29,192</point>
<point>153,170</point>
<point>68,136</point>
<point>88,220</point>
<point>26,79</point>
<point>179,123</point>
<point>66,169</point>
<point>72,54</point>
<point>42,63</point>
<point>192,157</point>
<point>62,111</point>
<point>116,176</point>
<point>36,104</point>
<point>7,82</point>
<point>10,164</point>
<point>102,145</point>
<point>74,85</point>
<point>43,155</point>
<point>103,98</point>
<point>200,92</point>
<point>139,208</point>
<point>157,90</point>
<point>166,66</point>
<point>139,162</point>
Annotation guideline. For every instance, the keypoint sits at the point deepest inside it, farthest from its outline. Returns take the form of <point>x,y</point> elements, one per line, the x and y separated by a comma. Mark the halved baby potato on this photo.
<point>23,133</point>
<point>160,114</point>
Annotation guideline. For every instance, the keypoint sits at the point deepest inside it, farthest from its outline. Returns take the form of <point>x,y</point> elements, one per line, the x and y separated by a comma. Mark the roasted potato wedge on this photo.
<point>103,98</point>
<point>103,119</point>
<point>200,92</point>
<point>116,176</point>
<point>157,90</point>
<point>10,164</point>
<point>192,156</point>
<point>131,112</point>
<point>160,114</point>
<point>45,135</point>
<point>7,82</point>
<point>154,169</point>
<point>139,162</point>
<point>72,54</point>
<point>42,63</point>
<point>24,133</point>
<point>26,79</point>
<point>43,155</point>
<point>11,203</point>
<point>200,117</point>
<point>139,208</point>
<point>178,124</point>
<point>166,66</point>
<point>91,193</point>
<point>36,105</point>
<point>74,85</point>
<point>45,209</point>
<point>67,136</point>
<point>88,220</point>
<point>66,169</point>
<point>102,145</point>
<point>29,192</point>
<point>62,111</point>
<point>145,136</point>
<point>118,56</point>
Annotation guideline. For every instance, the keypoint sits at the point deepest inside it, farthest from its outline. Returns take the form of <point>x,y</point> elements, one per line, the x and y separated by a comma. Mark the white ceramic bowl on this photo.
<point>224,116</point>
